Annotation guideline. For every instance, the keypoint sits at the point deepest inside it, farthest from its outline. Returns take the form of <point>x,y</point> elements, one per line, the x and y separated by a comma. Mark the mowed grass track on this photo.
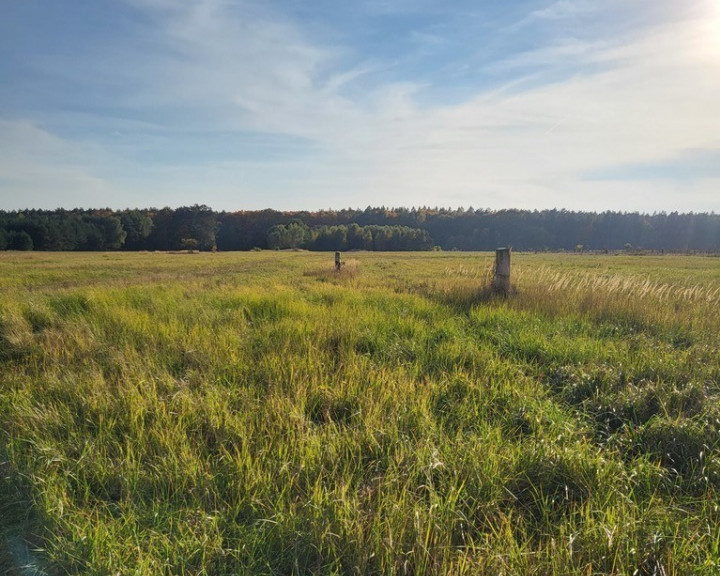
<point>257,413</point>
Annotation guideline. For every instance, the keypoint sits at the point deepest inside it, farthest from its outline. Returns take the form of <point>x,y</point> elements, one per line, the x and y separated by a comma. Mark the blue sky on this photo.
<point>309,104</point>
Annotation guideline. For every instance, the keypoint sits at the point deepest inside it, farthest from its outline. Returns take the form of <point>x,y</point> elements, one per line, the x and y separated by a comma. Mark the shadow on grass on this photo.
<point>463,298</point>
<point>19,528</point>
<point>545,488</point>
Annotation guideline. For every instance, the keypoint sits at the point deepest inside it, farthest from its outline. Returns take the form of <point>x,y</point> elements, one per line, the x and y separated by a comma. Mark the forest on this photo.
<point>199,227</point>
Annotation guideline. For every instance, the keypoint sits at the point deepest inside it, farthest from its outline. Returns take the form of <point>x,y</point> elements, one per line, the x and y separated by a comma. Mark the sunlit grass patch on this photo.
<point>261,413</point>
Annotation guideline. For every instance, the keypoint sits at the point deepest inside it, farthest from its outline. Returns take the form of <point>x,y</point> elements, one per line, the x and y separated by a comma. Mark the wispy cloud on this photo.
<point>247,105</point>
<point>563,9</point>
<point>43,170</point>
<point>556,11</point>
<point>645,106</point>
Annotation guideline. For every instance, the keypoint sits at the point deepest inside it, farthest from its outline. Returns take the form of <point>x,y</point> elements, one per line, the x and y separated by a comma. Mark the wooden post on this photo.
<point>337,261</point>
<point>502,271</point>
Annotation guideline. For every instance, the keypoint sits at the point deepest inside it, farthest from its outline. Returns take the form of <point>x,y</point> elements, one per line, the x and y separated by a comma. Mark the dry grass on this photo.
<point>349,269</point>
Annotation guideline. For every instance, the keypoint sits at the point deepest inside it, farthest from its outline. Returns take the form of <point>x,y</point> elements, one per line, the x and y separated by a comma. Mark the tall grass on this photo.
<point>262,414</point>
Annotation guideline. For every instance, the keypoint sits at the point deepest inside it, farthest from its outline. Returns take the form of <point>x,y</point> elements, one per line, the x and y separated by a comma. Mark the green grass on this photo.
<point>258,413</point>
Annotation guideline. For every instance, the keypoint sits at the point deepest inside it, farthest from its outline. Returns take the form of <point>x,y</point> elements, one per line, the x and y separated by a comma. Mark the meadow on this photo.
<point>260,413</point>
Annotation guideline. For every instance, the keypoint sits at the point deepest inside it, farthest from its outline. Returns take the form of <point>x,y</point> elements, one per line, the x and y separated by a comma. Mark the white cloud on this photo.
<point>563,9</point>
<point>243,67</point>
<point>558,10</point>
<point>43,170</point>
<point>237,66</point>
<point>531,148</point>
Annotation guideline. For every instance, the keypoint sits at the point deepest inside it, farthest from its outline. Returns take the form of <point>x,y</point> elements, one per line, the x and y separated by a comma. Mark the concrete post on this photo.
<point>502,271</point>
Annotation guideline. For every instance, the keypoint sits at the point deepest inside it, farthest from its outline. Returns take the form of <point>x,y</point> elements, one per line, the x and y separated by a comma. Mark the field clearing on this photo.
<point>259,413</point>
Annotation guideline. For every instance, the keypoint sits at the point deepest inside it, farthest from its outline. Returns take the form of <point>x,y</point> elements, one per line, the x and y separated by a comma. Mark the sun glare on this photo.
<point>713,27</point>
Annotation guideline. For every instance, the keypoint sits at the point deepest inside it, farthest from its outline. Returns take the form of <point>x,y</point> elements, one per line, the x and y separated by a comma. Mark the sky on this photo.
<point>316,104</point>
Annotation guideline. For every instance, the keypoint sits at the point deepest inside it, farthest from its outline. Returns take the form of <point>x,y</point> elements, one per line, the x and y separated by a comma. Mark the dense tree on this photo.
<point>20,240</point>
<point>380,228</point>
<point>291,235</point>
<point>359,238</point>
<point>103,231</point>
<point>161,236</point>
<point>197,223</point>
<point>137,225</point>
<point>329,238</point>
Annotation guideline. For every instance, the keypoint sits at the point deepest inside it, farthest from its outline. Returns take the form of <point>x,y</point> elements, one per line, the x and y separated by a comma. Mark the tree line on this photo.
<point>199,227</point>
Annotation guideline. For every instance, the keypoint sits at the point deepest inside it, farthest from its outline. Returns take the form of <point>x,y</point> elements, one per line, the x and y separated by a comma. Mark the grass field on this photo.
<point>258,413</point>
